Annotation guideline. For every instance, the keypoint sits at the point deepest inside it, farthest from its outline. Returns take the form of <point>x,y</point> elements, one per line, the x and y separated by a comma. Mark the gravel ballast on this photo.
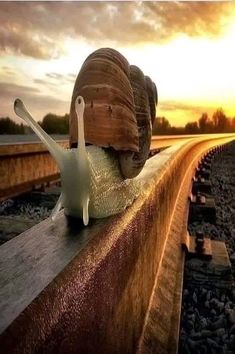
<point>208,311</point>
<point>21,213</point>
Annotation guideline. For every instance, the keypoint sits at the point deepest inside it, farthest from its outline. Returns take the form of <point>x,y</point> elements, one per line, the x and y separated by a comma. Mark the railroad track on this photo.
<point>115,285</point>
<point>25,166</point>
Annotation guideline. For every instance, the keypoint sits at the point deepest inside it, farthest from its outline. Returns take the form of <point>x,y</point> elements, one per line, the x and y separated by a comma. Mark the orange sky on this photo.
<point>187,48</point>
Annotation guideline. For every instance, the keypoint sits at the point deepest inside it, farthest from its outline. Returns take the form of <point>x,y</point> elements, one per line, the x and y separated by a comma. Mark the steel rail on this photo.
<point>24,166</point>
<point>114,286</point>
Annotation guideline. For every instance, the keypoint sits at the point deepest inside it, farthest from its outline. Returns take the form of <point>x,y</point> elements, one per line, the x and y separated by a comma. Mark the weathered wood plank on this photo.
<point>30,261</point>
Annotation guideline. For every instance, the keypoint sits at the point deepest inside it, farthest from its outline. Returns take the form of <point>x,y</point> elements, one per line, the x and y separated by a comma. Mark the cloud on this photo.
<point>60,78</point>
<point>191,17</point>
<point>56,80</point>
<point>21,42</point>
<point>14,89</point>
<point>55,76</point>
<point>8,70</point>
<point>192,111</point>
<point>38,29</point>
<point>38,104</point>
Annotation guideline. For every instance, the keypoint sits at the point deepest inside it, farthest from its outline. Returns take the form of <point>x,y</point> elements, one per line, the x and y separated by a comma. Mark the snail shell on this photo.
<point>104,84</point>
<point>133,162</point>
<point>117,108</point>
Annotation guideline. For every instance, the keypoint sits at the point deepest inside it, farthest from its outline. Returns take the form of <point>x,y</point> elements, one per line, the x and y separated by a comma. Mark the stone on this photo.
<point>190,325</point>
<point>212,343</point>
<point>220,305</point>
<point>227,306</point>
<point>231,316</point>
<point>195,298</point>
<point>203,322</point>
<point>209,295</point>
<point>190,310</point>
<point>232,340</point>
<point>213,312</point>
<point>203,292</point>
<point>196,335</point>
<point>220,332</point>
<point>203,349</point>
<point>219,323</point>
<point>191,317</point>
<point>232,258</point>
<point>225,337</point>
<point>206,333</point>
<point>213,301</point>
<point>232,329</point>
<point>192,344</point>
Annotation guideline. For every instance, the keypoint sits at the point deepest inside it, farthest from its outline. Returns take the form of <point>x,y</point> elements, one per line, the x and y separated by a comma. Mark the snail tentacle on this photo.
<point>54,148</point>
<point>85,213</point>
<point>83,158</point>
<point>79,108</point>
<point>57,207</point>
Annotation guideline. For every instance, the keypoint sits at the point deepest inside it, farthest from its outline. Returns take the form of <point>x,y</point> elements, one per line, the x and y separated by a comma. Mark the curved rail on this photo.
<point>24,166</point>
<point>114,285</point>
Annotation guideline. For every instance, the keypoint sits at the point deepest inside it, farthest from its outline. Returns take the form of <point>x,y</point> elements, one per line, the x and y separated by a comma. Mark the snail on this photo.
<point>110,135</point>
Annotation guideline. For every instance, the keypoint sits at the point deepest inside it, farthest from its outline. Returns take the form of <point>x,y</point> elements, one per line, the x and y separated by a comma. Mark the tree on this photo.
<point>8,126</point>
<point>161,126</point>
<point>220,121</point>
<point>191,128</point>
<point>203,123</point>
<point>232,125</point>
<point>54,124</point>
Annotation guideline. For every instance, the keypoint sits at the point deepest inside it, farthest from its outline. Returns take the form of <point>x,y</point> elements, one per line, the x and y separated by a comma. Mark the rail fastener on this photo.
<point>197,246</point>
<point>202,172</point>
<point>201,185</point>
<point>202,208</point>
<point>204,164</point>
<point>208,159</point>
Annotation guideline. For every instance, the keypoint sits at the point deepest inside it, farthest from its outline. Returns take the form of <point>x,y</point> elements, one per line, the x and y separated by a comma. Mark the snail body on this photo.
<point>92,185</point>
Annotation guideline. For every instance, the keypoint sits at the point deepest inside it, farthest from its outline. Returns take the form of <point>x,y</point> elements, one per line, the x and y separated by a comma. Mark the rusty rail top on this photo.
<point>9,148</point>
<point>66,286</point>
<point>25,166</point>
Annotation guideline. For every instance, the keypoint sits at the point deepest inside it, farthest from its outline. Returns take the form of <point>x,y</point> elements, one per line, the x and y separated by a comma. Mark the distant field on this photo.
<point>13,139</point>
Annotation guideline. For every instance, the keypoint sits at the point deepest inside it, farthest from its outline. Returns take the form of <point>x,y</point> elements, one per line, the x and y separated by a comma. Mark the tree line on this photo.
<point>51,123</point>
<point>54,124</point>
<point>218,123</point>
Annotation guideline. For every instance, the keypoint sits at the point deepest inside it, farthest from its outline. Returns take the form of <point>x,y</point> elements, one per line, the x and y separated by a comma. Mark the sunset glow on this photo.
<point>191,60</point>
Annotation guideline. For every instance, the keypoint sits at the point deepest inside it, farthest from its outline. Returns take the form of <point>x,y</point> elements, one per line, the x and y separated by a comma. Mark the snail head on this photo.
<point>73,163</point>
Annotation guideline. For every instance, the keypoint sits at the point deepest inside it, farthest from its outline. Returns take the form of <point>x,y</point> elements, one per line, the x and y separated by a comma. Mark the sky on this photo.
<point>187,48</point>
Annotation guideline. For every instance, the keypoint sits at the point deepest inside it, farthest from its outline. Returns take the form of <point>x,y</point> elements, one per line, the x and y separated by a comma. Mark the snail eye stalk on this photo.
<point>83,159</point>
<point>79,108</point>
